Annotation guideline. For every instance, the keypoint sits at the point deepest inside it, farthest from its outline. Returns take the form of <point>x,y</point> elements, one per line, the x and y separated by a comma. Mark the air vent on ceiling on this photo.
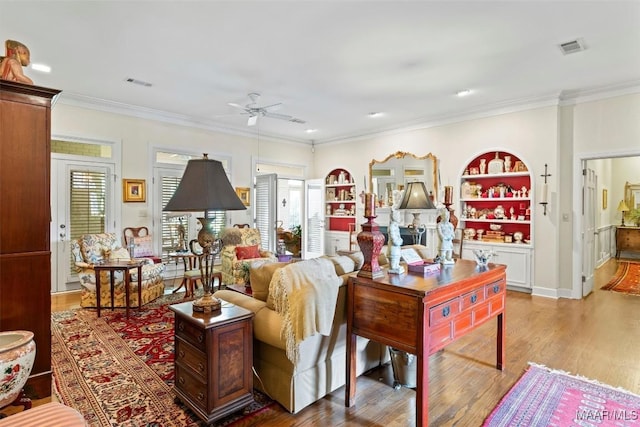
<point>294,120</point>
<point>572,47</point>
<point>138,82</point>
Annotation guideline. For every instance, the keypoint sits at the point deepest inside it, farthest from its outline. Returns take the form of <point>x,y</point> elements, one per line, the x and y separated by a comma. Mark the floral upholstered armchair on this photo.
<point>240,245</point>
<point>90,249</point>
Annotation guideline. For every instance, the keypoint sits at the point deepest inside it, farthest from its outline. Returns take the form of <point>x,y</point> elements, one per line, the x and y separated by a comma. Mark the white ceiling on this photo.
<point>328,62</point>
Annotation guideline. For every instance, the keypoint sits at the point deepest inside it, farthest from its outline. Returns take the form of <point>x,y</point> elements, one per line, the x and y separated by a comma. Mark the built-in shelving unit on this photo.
<point>340,209</point>
<point>497,212</point>
<point>340,198</point>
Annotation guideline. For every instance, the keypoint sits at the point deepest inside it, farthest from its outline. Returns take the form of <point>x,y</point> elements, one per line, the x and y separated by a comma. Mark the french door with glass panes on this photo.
<point>81,203</point>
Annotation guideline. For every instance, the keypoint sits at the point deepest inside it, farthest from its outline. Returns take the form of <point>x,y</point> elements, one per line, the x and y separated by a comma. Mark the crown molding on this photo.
<point>579,96</point>
<point>564,98</point>
<point>98,104</point>
<point>489,110</point>
<point>496,109</point>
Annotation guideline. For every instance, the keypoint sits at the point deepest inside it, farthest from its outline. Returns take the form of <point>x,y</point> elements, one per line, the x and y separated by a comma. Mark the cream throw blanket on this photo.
<point>304,294</point>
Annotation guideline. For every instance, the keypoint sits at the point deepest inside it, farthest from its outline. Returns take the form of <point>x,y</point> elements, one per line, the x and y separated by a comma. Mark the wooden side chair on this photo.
<point>193,274</point>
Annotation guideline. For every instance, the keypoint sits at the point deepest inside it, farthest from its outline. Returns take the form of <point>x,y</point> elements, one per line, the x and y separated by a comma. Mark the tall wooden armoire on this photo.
<point>25,214</point>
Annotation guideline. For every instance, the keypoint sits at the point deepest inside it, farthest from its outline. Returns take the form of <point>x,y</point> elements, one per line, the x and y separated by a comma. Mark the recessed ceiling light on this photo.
<point>41,67</point>
<point>375,114</point>
<point>463,92</point>
<point>311,130</point>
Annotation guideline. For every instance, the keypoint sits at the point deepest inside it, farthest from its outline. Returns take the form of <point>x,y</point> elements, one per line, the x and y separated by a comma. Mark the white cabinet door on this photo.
<point>517,259</point>
<point>336,241</point>
<point>518,264</point>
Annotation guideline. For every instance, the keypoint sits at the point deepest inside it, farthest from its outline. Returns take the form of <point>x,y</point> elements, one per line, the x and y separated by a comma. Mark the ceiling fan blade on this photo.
<point>252,120</point>
<point>233,104</point>
<point>284,117</point>
<point>277,116</point>
<point>272,107</point>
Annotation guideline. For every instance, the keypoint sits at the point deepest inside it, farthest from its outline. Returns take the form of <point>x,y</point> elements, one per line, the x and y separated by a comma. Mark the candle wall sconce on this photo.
<point>544,193</point>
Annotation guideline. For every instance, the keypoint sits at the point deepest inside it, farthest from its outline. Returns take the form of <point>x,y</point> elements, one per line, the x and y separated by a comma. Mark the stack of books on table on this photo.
<point>417,265</point>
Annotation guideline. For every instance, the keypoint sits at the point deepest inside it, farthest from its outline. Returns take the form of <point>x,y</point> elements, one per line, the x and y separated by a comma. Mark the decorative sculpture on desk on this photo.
<point>370,240</point>
<point>182,242</point>
<point>482,257</point>
<point>395,239</point>
<point>446,233</point>
<point>17,56</point>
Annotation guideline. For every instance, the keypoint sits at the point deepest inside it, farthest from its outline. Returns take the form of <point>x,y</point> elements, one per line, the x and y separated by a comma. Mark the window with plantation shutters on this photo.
<point>266,195</point>
<point>87,202</point>
<point>171,220</point>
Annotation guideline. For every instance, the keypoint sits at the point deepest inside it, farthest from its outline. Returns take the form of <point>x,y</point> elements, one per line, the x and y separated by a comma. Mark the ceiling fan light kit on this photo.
<point>255,111</point>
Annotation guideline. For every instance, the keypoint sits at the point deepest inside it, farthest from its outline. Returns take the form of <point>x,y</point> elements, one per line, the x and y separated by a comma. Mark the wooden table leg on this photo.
<point>422,370</point>
<point>215,274</point>
<point>350,388</point>
<point>500,345</point>
<point>127,282</point>
<point>139,287</point>
<point>97,274</point>
<point>112,281</point>
<point>350,394</point>
<point>184,279</point>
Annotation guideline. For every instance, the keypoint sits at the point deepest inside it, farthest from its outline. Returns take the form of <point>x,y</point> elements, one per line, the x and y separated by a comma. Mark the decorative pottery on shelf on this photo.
<point>482,257</point>
<point>17,353</point>
<point>496,165</point>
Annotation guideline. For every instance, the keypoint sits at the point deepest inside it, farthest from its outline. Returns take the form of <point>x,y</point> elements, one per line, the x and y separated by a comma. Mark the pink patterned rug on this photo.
<point>545,397</point>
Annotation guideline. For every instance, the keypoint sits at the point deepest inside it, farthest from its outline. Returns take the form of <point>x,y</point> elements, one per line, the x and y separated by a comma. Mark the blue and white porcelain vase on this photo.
<point>482,257</point>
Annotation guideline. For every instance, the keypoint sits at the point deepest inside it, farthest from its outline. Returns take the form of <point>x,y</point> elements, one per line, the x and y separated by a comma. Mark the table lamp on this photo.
<point>416,197</point>
<point>622,207</point>
<point>205,187</point>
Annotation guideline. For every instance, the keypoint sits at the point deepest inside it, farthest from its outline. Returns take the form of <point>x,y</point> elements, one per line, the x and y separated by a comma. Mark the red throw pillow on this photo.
<point>247,252</point>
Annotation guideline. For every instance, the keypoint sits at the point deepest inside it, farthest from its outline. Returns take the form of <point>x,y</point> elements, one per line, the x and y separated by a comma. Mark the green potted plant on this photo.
<point>246,272</point>
<point>296,240</point>
<point>634,216</point>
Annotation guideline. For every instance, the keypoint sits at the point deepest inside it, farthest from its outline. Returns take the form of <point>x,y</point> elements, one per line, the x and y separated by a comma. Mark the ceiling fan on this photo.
<point>254,111</point>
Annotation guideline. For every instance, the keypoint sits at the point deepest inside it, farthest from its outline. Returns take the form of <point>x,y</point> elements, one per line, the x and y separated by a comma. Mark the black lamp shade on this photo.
<point>204,187</point>
<point>416,197</point>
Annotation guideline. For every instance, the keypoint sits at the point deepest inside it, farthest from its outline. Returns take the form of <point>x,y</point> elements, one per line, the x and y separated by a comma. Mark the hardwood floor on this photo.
<point>595,337</point>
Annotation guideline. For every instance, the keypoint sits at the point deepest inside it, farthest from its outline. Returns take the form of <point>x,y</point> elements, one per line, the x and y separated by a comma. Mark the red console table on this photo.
<point>421,315</point>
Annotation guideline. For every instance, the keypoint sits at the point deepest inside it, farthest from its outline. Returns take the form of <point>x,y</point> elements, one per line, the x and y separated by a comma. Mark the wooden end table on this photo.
<point>421,315</point>
<point>213,359</point>
<point>239,287</point>
<point>125,267</point>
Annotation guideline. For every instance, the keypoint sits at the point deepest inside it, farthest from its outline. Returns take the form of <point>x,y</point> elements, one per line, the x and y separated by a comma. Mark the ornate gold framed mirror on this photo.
<point>632,195</point>
<point>396,170</point>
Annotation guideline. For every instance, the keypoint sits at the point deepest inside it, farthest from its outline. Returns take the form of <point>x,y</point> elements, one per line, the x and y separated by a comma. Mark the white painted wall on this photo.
<point>531,135</point>
<point>559,136</point>
<point>601,129</point>
<point>138,136</point>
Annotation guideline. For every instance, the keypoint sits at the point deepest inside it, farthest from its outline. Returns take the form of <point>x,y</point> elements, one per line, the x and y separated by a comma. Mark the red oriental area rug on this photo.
<point>626,279</point>
<point>544,397</point>
<point>119,371</point>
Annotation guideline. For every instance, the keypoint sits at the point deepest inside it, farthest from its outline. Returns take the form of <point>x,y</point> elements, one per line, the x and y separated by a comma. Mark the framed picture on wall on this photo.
<point>604,198</point>
<point>133,190</point>
<point>244,194</point>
